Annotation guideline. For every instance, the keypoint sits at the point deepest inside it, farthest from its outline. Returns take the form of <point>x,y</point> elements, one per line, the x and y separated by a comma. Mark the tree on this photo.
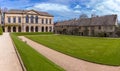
<point>118,31</point>
<point>83,16</point>
<point>1,31</point>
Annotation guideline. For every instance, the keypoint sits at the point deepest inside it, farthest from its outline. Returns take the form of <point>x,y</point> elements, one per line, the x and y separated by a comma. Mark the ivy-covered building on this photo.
<point>94,26</point>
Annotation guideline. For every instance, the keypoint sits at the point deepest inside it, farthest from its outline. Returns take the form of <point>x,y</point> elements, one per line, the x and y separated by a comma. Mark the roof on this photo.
<point>102,20</point>
<point>15,11</point>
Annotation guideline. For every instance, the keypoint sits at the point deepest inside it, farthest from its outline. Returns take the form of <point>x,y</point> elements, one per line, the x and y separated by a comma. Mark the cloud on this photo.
<point>102,7</point>
<point>66,9</point>
<point>77,7</point>
<point>51,7</point>
<point>77,11</point>
<point>60,11</point>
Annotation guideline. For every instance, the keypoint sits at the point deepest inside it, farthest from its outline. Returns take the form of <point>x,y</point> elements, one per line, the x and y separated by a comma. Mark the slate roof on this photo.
<point>102,20</point>
<point>15,11</point>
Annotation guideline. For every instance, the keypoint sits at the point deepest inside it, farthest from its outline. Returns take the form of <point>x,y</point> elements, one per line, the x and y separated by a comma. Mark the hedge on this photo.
<point>1,31</point>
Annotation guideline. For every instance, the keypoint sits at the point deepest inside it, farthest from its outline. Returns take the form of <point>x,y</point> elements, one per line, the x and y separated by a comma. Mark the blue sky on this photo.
<point>66,9</point>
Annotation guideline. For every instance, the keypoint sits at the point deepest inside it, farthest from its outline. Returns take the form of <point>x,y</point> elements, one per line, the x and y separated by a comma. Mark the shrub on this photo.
<point>102,34</point>
<point>1,31</point>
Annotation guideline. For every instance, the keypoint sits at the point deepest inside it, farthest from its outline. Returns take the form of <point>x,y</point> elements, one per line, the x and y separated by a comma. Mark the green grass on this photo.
<point>98,50</point>
<point>32,33</point>
<point>32,60</point>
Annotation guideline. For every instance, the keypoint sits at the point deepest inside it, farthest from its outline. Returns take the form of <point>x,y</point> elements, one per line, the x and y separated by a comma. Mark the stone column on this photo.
<point>48,21</point>
<point>11,28</point>
<point>51,28</point>
<point>17,29</point>
<point>48,28</point>
<point>39,20</point>
<point>44,28</point>
<point>33,28</point>
<point>39,29</point>
<point>16,20</point>
<point>29,28</point>
<point>44,21</point>
<point>6,29</point>
<point>22,28</point>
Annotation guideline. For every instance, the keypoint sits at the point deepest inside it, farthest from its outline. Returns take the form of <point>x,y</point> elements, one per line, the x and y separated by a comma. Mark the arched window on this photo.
<point>27,19</point>
<point>32,19</point>
<point>19,29</point>
<point>36,19</point>
<point>27,29</point>
<point>14,29</point>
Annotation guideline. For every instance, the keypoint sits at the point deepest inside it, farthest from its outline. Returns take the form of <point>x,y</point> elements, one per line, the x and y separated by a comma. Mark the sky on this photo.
<point>66,9</point>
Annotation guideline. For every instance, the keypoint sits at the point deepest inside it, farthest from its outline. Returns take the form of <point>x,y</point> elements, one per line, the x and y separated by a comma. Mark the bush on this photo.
<point>102,34</point>
<point>1,31</point>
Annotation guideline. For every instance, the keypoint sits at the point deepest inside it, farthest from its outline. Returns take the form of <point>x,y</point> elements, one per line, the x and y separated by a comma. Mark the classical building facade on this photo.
<point>88,26</point>
<point>27,21</point>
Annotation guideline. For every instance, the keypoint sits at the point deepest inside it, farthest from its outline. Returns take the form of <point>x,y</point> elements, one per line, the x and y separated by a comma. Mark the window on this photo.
<point>9,20</point>
<point>14,19</point>
<point>36,19</point>
<point>50,22</point>
<point>27,19</point>
<point>32,19</point>
<point>79,27</point>
<point>46,21</point>
<point>19,19</point>
<point>42,21</point>
<point>111,27</point>
<point>86,28</point>
<point>99,27</point>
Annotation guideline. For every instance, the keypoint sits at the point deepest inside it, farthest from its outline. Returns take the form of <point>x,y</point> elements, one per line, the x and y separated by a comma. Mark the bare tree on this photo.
<point>83,16</point>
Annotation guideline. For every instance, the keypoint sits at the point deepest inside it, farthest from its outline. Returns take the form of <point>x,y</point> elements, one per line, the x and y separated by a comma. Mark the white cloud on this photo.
<point>77,6</point>
<point>77,11</point>
<point>103,7</point>
<point>60,11</point>
<point>51,7</point>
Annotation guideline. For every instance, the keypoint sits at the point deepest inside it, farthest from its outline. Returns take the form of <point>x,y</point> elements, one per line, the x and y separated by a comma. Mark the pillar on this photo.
<point>29,28</point>
<point>44,28</point>
<point>17,29</point>
<point>51,28</point>
<point>11,28</point>
<point>33,28</point>
<point>39,29</point>
<point>6,29</point>
<point>48,28</point>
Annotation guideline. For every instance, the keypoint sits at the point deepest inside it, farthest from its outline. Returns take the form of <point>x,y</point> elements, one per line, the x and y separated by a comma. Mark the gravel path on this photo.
<point>8,57</point>
<point>67,62</point>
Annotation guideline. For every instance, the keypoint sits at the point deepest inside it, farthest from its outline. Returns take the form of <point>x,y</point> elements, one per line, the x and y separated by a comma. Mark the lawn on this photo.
<point>32,60</point>
<point>98,50</point>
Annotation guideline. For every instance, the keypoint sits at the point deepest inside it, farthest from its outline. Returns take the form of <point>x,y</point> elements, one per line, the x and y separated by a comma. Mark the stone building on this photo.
<point>94,26</point>
<point>27,21</point>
